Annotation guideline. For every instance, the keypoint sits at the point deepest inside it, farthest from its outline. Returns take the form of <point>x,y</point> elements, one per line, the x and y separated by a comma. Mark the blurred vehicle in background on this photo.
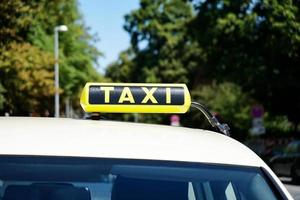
<point>288,163</point>
<point>266,148</point>
<point>258,146</point>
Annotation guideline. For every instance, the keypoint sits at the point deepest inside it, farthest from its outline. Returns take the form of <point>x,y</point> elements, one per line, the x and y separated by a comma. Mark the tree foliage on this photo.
<point>160,50</point>
<point>228,102</point>
<point>26,73</point>
<point>227,51</point>
<point>27,44</point>
<point>256,45</point>
<point>15,18</point>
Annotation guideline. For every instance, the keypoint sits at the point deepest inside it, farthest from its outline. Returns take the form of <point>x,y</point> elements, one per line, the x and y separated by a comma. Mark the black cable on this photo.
<point>223,128</point>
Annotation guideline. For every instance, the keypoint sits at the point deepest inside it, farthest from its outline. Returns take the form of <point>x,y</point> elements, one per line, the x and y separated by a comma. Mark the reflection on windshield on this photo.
<point>122,179</point>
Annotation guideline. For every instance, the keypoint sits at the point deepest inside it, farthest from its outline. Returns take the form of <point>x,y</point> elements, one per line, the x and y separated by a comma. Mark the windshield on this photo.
<point>95,179</point>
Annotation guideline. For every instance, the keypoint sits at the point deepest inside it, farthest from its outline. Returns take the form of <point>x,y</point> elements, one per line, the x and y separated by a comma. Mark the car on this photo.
<point>288,163</point>
<point>59,158</point>
<point>256,145</point>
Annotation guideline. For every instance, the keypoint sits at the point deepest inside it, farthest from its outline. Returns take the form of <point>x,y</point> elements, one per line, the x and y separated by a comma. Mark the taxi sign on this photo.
<point>135,98</point>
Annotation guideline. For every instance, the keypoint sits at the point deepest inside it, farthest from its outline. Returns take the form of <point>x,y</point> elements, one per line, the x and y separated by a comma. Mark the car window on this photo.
<point>97,179</point>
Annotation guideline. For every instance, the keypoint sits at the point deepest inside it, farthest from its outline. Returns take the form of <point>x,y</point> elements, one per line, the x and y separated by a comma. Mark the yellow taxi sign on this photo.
<point>135,98</point>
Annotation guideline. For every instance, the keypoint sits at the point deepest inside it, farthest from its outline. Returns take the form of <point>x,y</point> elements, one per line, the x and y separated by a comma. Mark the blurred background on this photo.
<point>240,58</point>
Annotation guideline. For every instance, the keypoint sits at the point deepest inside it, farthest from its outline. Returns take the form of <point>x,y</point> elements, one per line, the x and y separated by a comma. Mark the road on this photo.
<point>293,189</point>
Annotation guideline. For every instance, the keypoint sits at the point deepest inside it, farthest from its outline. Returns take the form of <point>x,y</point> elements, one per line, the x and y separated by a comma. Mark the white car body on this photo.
<point>108,139</point>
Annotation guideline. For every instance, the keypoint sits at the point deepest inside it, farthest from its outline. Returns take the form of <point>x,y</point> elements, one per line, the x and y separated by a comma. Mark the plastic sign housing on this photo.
<point>135,98</point>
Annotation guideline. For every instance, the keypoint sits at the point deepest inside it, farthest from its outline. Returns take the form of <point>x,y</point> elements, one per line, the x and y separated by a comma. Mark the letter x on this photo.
<point>149,95</point>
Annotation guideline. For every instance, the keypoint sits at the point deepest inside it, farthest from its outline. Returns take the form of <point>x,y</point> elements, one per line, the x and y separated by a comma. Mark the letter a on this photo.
<point>126,96</point>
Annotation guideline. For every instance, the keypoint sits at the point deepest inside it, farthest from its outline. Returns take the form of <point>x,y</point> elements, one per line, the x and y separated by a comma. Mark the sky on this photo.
<point>106,18</point>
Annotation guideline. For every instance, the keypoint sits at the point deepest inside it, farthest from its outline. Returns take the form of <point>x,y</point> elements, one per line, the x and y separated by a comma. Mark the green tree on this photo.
<point>160,50</point>
<point>122,70</point>
<point>228,102</point>
<point>254,44</point>
<point>26,73</point>
<point>250,48</point>
<point>77,55</point>
<point>16,16</point>
<point>27,27</point>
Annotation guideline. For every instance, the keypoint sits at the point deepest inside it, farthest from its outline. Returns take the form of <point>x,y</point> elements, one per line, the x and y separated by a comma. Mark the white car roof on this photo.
<point>109,139</point>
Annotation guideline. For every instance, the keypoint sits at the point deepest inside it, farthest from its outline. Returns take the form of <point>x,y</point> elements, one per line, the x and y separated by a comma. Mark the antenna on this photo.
<point>223,128</point>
